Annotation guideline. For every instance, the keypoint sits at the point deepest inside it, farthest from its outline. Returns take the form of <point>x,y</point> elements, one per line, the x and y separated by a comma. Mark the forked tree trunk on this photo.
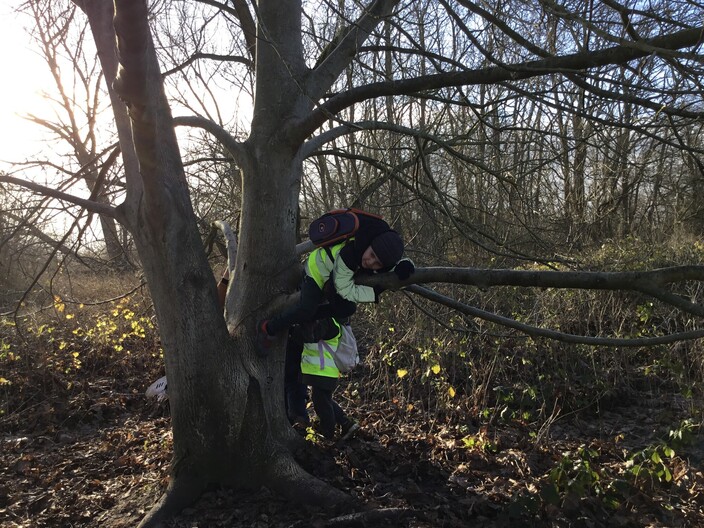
<point>100,15</point>
<point>226,401</point>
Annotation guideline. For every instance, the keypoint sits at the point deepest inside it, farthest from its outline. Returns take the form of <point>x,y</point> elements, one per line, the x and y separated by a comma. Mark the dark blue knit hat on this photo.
<point>388,247</point>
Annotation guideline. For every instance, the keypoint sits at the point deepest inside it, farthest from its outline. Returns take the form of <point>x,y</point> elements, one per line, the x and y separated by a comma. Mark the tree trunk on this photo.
<point>100,15</point>
<point>226,401</point>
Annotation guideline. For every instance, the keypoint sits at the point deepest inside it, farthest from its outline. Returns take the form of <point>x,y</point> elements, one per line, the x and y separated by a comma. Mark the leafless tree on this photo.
<point>64,44</point>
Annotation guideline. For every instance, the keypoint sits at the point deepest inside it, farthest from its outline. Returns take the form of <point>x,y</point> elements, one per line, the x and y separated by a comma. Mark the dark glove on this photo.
<point>404,269</point>
<point>329,290</point>
<point>321,329</point>
<point>378,290</point>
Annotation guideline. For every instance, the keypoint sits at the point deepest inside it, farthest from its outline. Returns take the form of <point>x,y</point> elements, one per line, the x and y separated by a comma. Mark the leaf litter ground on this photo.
<point>98,456</point>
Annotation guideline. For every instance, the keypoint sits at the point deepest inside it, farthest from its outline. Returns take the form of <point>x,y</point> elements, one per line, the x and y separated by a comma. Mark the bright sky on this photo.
<point>22,77</point>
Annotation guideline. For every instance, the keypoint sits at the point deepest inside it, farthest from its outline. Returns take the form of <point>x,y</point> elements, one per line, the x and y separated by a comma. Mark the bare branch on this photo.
<point>89,205</point>
<point>534,331</point>
<point>591,280</point>
<point>241,12</point>
<point>210,56</point>
<point>647,282</point>
<point>233,146</point>
<point>249,30</point>
<point>564,64</point>
<point>344,47</point>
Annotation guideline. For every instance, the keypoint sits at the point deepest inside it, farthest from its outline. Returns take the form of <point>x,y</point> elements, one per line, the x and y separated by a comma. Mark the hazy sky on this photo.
<point>22,77</point>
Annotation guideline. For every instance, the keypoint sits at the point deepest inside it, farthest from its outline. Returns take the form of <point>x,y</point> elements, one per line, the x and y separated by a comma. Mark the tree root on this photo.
<point>363,518</point>
<point>291,481</point>
<point>181,494</point>
<point>283,476</point>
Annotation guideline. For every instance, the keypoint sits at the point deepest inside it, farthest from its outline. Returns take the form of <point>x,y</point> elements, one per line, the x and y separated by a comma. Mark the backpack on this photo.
<point>336,225</point>
<point>346,356</point>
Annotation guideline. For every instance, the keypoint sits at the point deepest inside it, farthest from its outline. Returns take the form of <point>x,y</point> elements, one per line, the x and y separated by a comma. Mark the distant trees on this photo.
<point>87,157</point>
<point>572,157</point>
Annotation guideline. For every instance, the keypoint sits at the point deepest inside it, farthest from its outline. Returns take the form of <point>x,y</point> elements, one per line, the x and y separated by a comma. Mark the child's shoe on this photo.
<point>349,429</point>
<point>264,340</point>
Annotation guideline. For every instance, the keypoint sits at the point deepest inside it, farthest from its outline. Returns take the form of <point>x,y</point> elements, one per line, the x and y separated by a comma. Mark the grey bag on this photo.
<point>346,356</point>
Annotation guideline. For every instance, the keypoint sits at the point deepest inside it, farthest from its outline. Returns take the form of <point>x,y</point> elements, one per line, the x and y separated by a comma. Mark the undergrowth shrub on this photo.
<point>71,349</point>
<point>419,354</point>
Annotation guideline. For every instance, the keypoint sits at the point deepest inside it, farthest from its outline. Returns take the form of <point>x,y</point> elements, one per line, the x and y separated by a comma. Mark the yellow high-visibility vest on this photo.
<point>317,359</point>
<point>319,264</point>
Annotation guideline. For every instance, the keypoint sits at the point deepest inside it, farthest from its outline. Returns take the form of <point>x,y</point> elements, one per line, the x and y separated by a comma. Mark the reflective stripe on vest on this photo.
<point>319,265</point>
<point>317,357</point>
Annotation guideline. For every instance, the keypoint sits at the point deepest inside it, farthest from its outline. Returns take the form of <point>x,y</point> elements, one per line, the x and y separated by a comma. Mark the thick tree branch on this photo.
<point>648,282</point>
<point>139,84</point>
<point>241,12</point>
<point>249,29</point>
<point>209,56</point>
<point>565,64</point>
<point>343,48</point>
<point>593,280</point>
<point>540,52</point>
<point>310,146</point>
<point>234,147</point>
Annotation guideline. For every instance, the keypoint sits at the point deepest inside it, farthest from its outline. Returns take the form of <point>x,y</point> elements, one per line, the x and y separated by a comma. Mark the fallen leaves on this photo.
<point>98,457</point>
